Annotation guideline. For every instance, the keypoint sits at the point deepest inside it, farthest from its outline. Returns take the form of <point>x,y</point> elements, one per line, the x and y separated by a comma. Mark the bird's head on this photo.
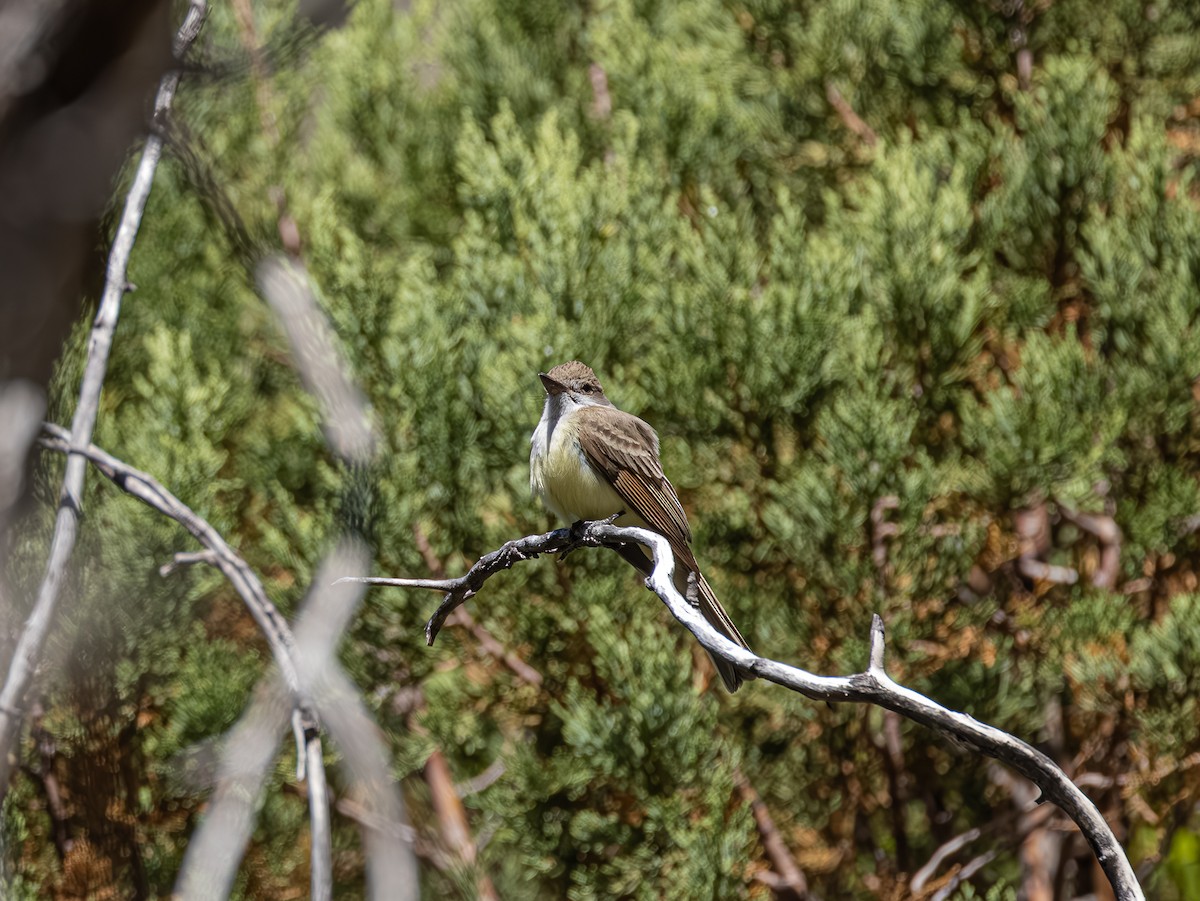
<point>574,383</point>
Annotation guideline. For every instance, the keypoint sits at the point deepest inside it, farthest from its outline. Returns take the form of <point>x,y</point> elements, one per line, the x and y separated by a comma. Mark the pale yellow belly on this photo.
<point>571,488</point>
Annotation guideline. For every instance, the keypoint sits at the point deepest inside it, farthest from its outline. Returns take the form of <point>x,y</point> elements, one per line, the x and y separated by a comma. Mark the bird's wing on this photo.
<point>625,451</point>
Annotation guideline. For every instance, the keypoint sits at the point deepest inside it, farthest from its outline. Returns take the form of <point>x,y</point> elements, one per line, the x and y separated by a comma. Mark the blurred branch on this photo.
<point>1106,531</point>
<point>601,98</point>
<point>366,764</point>
<point>849,117</point>
<point>1027,820</point>
<point>452,817</point>
<point>872,686</point>
<point>969,870</point>
<point>66,526</point>
<point>287,288</point>
<point>213,857</point>
<point>484,780</point>
<point>789,882</point>
<point>215,850</point>
<point>1033,534</point>
<point>187,558</point>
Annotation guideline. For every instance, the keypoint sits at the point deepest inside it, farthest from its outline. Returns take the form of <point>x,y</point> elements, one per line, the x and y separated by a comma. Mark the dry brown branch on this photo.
<point>849,117</point>
<point>452,820</point>
<point>789,883</point>
<point>872,686</point>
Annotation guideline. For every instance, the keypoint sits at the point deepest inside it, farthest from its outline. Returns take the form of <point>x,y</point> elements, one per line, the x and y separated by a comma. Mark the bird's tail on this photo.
<point>719,620</point>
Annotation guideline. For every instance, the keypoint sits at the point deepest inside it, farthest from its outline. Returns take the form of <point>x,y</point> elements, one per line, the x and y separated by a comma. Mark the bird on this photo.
<point>589,460</point>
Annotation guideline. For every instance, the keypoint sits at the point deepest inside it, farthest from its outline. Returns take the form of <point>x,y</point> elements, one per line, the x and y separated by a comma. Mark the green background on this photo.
<point>982,311</point>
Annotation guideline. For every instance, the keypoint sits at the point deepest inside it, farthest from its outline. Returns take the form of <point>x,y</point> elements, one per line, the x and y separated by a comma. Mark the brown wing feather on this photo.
<point>625,450</point>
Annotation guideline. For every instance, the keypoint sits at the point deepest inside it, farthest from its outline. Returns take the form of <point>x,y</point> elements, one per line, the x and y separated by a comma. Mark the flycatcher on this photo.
<point>590,460</point>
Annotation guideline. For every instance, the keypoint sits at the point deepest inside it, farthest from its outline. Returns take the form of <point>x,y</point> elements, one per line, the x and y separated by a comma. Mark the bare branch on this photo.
<point>187,558</point>
<point>213,857</point>
<point>151,492</point>
<point>873,686</point>
<point>245,766</point>
<point>459,590</point>
<point>391,863</point>
<point>66,526</point>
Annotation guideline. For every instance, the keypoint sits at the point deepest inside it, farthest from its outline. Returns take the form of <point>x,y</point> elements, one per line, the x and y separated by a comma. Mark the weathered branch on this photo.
<point>248,768</point>
<point>66,526</point>
<point>872,686</point>
<point>153,494</point>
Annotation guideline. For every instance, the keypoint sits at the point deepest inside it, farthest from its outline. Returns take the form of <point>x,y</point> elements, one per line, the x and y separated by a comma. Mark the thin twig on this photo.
<point>873,686</point>
<point>66,525</point>
<point>969,870</point>
<point>1014,826</point>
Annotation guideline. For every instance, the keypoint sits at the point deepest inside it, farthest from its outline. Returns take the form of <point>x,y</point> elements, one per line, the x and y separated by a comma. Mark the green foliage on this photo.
<point>868,361</point>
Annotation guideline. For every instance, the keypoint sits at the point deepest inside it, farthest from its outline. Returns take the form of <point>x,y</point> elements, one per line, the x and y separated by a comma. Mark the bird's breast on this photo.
<point>563,478</point>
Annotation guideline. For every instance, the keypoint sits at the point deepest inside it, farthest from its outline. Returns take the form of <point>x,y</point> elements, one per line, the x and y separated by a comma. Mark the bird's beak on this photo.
<point>552,386</point>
